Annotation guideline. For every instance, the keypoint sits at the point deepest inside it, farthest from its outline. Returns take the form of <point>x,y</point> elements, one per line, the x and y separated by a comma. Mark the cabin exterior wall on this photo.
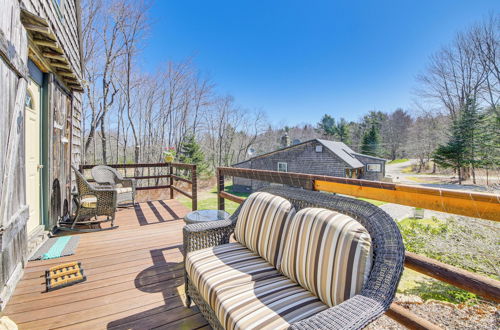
<point>369,174</point>
<point>302,158</point>
<point>60,139</point>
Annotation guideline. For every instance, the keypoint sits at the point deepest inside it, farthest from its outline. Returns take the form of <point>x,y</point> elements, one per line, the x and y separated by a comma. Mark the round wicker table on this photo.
<point>205,216</point>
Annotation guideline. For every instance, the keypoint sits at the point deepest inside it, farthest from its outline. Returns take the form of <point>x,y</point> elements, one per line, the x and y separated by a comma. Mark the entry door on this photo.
<point>33,158</point>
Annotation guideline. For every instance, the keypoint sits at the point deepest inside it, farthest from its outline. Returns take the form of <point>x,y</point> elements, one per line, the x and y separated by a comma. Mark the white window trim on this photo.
<point>282,163</point>
<point>376,164</point>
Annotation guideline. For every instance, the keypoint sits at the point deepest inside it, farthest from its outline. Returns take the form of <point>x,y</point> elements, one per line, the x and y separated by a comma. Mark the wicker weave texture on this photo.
<point>105,175</point>
<point>354,313</point>
<point>106,199</point>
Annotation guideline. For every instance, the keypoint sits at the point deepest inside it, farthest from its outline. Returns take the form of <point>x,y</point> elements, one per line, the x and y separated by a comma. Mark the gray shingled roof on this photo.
<point>343,151</point>
<point>338,148</point>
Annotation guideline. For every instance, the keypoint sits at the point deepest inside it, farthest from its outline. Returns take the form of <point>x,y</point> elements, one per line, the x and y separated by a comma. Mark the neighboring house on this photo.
<point>316,156</point>
<point>40,114</point>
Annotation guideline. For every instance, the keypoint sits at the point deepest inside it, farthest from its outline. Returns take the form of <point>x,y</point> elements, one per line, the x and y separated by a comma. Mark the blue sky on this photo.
<point>297,60</point>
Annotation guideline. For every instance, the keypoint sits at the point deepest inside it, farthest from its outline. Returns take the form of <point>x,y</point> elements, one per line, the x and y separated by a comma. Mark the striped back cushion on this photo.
<point>262,223</point>
<point>327,253</point>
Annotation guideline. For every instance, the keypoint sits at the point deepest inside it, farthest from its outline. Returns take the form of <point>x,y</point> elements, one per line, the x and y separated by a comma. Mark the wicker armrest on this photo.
<point>203,235</point>
<point>106,200</point>
<point>354,313</point>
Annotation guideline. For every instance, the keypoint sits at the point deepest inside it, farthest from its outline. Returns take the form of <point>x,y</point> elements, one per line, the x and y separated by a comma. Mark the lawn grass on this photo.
<point>397,161</point>
<point>372,201</point>
<point>433,222</point>
<point>408,169</point>
<point>207,200</point>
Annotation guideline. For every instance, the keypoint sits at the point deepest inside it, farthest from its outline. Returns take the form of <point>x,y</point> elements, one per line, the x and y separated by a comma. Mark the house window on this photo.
<point>373,168</point>
<point>319,148</point>
<point>28,102</point>
<point>282,167</point>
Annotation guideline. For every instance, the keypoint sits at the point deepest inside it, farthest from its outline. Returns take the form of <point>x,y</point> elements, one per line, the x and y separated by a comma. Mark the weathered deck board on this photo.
<point>134,278</point>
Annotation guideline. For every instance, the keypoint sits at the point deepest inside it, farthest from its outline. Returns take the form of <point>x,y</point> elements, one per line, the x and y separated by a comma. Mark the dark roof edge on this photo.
<point>298,144</point>
<point>274,151</point>
<point>368,156</point>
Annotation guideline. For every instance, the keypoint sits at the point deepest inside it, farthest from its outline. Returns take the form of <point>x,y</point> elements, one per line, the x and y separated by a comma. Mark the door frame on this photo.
<point>39,77</point>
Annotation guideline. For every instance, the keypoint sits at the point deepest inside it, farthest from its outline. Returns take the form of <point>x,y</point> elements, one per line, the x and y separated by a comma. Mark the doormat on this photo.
<point>64,275</point>
<point>57,247</point>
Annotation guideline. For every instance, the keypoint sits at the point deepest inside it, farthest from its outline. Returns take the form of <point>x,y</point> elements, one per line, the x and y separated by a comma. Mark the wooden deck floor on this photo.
<point>134,278</point>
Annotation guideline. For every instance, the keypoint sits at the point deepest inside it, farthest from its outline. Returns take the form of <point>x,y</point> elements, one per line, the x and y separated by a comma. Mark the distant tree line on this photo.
<point>131,115</point>
<point>462,85</point>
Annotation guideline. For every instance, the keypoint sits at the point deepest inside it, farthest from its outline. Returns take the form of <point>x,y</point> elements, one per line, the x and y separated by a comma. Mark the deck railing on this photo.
<point>156,175</point>
<point>472,204</point>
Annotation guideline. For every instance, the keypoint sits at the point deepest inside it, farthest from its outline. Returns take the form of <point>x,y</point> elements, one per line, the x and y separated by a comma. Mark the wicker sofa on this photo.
<point>301,260</point>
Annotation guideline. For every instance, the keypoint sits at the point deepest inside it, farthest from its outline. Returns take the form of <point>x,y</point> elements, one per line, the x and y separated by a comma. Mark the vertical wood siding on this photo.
<point>13,75</point>
<point>13,209</point>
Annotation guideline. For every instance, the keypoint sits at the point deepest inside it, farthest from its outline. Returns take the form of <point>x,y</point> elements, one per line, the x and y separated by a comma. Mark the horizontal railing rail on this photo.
<point>479,205</point>
<point>471,204</point>
<point>170,176</point>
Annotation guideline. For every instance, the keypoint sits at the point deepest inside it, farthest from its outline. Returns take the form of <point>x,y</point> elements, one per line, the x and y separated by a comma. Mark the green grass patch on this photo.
<point>372,201</point>
<point>207,200</point>
<point>427,288</point>
<point>397,161</point>
<point>408,169</point>
<point>408,222</point>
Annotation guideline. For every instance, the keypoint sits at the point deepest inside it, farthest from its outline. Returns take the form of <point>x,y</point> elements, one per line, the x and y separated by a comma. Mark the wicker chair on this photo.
<point>91,201</point>
<point>354,313</point>
<point>105,175</point>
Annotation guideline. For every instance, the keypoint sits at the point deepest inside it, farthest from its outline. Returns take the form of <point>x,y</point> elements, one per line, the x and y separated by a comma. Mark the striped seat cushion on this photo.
<point>245,291</point>
<point>327,253</point>
<point>262,223</point>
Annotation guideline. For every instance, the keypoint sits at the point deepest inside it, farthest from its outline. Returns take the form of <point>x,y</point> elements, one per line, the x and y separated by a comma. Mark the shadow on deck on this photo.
<point>134,278</point>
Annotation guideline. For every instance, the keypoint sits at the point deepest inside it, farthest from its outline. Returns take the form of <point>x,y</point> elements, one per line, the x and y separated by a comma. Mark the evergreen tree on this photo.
<point>452,155</point>
<point>334,130</point>
<point>342,131</point>
<point>190,153</point>
<point>488,139</point>
<point>327,126</point>
<point>371,141</point>
<point>461,151</point>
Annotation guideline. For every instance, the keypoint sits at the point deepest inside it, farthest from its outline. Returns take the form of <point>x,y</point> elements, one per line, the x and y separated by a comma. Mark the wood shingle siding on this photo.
<point>332,159</point>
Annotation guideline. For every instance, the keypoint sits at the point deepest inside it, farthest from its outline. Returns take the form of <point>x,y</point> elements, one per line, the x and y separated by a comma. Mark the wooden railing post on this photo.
<point>171,180</point>
<point>194,189</point>
<point>220,189</point>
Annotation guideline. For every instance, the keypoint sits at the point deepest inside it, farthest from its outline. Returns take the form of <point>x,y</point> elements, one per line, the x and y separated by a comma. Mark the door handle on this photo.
<point>39,166</point>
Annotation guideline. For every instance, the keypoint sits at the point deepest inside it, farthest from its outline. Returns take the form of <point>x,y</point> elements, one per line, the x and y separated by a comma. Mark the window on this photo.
<point>373,168</point>
<point>28,102</point>
<point>319,148</point>
<point>282,167</point>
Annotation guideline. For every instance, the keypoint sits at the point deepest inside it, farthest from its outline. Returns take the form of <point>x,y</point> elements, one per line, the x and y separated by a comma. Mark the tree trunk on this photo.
<point>103,140</point>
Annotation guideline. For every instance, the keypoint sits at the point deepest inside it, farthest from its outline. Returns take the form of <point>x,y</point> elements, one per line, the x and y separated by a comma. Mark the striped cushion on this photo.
<point>262,223</point>
<point>245,291</point>
<point>328,253</point>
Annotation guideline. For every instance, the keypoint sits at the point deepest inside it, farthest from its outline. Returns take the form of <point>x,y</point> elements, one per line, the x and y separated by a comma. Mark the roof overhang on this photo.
<point>46,41</point>
<point>369,156</point>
